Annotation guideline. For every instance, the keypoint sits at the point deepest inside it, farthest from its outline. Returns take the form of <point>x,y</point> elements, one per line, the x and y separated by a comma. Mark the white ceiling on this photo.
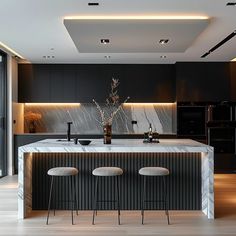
<point>34,27</point>
<point>134,36</point>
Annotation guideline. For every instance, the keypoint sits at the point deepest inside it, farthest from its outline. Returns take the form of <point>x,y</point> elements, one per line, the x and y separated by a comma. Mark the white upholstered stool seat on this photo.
<point>63,171</point>
<point>154,171</point>
<point>107,171</point>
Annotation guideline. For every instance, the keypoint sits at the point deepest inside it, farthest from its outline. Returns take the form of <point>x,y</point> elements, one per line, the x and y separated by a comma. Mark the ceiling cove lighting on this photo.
<point>10,50</point>
<point>170,17</point>
<point>52,104</point>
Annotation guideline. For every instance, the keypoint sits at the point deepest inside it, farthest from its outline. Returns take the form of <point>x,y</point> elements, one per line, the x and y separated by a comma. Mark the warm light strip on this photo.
<point>10,50</point>
<point>52,104</point>
<point>234,59</point>
<point>136,17</point>
<point>148,104</point>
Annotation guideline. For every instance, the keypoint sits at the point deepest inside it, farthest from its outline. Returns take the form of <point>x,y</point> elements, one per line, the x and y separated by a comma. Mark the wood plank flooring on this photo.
<point>189,223</point>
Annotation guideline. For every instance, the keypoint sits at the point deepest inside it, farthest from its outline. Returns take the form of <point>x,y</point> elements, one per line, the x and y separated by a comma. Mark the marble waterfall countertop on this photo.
<point>118,145</point>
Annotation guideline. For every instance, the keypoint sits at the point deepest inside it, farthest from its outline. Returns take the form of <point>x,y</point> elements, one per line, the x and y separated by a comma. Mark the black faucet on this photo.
<point>68,130</point>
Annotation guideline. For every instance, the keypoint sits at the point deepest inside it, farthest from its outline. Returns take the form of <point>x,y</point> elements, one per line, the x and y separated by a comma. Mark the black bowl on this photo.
<point>84,142</point>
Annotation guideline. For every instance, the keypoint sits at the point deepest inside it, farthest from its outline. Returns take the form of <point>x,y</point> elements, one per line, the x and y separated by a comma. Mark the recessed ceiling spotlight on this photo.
<point>163,56</point>
<point>105,41</point>
<point>51,49</point>
<point>107,57</point>
<point>49,57</point>
<point>231,4</point>
<point>163,41</point>
<point>93,4</point>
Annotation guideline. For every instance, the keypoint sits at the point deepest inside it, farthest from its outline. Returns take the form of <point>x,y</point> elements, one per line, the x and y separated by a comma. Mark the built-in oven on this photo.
<point>221,126</point>
<point>224,111</point>
<point>191,121</point>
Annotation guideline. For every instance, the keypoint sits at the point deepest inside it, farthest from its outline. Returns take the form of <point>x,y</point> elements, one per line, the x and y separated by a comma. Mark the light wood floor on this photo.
<point>182,223</point>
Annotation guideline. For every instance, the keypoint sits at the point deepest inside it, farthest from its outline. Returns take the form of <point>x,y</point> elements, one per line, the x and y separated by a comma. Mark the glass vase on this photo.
<point>107,134</point>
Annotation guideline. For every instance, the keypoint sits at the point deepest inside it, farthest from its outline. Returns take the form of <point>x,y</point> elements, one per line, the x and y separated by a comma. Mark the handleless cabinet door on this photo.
<point>202,81</point>
<point>63,83</point>
<point>34,83</point>
<point>150,83</point>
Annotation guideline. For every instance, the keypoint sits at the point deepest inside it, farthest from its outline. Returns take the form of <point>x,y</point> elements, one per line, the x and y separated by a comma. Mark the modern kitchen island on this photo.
<point>190,184</point>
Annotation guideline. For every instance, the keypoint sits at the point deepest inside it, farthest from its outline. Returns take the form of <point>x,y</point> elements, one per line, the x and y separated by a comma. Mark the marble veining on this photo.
<point>119,146</point>
<point>86,118</point>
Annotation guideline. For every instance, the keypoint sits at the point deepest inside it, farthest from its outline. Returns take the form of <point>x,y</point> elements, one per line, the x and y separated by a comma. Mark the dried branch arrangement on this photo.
<point>112,104</point>
<point>32,116</point>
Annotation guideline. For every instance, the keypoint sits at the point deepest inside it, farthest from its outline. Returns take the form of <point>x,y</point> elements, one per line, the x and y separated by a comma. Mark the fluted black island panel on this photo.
<point>184,182</point>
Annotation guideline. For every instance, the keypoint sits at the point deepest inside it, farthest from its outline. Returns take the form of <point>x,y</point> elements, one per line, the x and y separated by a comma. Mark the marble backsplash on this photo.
<point>86,118</point>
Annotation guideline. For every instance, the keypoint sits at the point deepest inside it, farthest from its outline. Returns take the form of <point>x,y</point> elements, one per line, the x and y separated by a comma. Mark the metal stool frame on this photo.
<point>163,200</point>
<point>96,200</point>
<point>73,196</point>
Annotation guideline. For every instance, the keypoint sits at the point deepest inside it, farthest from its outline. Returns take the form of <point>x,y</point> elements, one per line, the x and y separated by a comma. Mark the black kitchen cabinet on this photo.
<point>82,83</point>
<point>90,84</point>
<point>150,83</point>
<point>34,83</point>
<point>202,81</point>
<point>63,80</point>
<point>223,141</point>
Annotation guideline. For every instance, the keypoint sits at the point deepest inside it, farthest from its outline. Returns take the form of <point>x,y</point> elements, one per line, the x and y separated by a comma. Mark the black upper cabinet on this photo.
<point>83,83</point>
<point>202,81</point>
<point>150,83</point>
<point>63,80</point>
<point>90,84</point>
<point>34,83</point>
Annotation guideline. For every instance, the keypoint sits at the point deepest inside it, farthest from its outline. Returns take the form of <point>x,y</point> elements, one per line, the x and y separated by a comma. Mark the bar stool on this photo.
<point>107,172</point>
<point>64,172</point>
<point>159,172</point>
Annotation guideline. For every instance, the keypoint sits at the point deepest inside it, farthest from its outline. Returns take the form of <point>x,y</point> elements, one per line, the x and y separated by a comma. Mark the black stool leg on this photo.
<point>95,200</point>
<point>76,193</point>
<point>143,202</point>
<point>71,199</point>
<point>54,198</point>
<point>118,198</point>
<point>165,200</point>
<point>49,201</point>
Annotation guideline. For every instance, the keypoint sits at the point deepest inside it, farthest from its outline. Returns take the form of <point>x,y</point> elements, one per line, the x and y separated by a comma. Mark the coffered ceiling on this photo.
<point>69,31</point>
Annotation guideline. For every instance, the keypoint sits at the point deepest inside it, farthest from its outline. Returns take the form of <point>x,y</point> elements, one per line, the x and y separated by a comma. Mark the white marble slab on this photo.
<point>120,146</point>
<point>86,118</point>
